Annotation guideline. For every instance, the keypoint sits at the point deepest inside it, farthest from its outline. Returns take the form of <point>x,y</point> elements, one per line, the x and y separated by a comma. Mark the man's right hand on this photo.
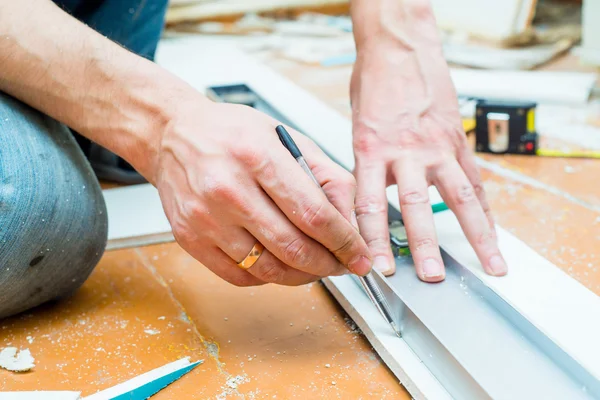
<point>227,182</point>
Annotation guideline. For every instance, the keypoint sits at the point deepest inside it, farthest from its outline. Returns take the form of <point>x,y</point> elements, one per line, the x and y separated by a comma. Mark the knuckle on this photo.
<point>240,280</point>
<point>347,180</point>
<point>420,11</point>
<point>224,192</point>
<point>486,208</point>
<point>195,211</point>
<point>369,204</point>
<point>378,243</point>
<point>351,182</point>
<point>315,215</point>
<point>465,195</point>
<point>485,238</point>
<point>246,154</point>
<point>296,253</point>
<point>424,244</point>
<point>183,234</point>
<point>478,188</point>
<point>413,197</point>
<point>253,158</point>
<point>365,139</point>
<point>346,244</point>
<point>270,272</point>
<point>220,192</point>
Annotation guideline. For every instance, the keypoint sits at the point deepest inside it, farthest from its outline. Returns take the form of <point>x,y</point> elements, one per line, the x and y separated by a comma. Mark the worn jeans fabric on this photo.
<point>53,222</point>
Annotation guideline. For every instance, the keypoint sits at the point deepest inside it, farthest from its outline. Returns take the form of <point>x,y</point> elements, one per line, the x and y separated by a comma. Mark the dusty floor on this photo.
<point>145,307</point>
<point>139,311</point>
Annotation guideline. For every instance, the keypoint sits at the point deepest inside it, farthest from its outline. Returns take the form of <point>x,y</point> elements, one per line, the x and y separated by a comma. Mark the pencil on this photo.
<point>368,281</point>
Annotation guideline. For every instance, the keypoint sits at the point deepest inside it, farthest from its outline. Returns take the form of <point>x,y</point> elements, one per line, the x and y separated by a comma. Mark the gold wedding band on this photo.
<point>252,257</point>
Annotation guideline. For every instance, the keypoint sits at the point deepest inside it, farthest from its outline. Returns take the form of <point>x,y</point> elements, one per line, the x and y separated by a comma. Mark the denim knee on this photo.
<point>53,222</point>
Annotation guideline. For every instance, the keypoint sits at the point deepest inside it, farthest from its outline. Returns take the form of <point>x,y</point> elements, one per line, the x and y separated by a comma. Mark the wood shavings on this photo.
<point>17,361</point>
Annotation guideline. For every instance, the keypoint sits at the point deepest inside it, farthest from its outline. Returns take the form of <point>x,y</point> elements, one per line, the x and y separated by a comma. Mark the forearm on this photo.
<point>407,24</point>
<point>399,39</point>
<point>58,65</point>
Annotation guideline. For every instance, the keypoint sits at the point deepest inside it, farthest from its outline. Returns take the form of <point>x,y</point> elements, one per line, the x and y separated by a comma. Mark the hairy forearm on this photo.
<point>58,65</point>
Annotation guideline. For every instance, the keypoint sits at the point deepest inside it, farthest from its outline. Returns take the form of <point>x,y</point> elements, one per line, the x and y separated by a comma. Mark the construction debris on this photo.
<point>17,361</point>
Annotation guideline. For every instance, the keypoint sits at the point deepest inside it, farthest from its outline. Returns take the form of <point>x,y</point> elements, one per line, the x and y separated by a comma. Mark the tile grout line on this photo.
<point>212,348</point>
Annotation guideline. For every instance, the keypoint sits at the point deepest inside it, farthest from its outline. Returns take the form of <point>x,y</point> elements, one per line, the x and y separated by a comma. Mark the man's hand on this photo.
<point>225,179</point>
<point>226,182</point>
<point>407,130</point>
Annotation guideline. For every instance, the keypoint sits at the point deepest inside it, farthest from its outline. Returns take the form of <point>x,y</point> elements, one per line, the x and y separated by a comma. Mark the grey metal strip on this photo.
<point>477,345</point>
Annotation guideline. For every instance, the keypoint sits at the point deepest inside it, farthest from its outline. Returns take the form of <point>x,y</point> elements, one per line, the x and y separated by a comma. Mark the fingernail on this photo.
<point>360,265</point>
<point>353,219</point>
<point>498,265</point>
<point>382,264</point>
<point>432,269</point>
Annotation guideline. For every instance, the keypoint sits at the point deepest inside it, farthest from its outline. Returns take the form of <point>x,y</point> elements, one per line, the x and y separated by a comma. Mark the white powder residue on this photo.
<point>231,386</point>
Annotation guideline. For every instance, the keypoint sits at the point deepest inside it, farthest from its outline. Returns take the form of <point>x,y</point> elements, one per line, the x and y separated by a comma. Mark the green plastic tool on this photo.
<point>398,237</point>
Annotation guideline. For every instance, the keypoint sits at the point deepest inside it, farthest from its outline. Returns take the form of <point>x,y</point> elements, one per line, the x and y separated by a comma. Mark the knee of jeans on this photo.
<point>53,257</point>
<point>56,229</point>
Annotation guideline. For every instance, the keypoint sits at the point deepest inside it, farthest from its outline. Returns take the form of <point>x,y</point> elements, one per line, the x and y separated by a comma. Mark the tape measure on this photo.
<point>509,128</point>
<point>505,127</point>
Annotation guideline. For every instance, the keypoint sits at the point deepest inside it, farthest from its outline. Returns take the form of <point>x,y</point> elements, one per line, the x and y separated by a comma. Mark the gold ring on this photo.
<point>252,257</point>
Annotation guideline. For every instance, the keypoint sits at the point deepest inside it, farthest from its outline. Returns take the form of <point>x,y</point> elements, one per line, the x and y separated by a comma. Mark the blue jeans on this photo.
<point>53,222</point>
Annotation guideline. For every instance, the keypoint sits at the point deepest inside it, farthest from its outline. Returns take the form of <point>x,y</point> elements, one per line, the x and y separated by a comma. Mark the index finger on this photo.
<point>306,206</point>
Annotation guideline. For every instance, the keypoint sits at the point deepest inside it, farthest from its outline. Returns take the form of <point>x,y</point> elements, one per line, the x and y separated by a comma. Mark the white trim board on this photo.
<point>553,302</point>
<point>131,222</point>
<point>496,20</point>
<point>551,87</point>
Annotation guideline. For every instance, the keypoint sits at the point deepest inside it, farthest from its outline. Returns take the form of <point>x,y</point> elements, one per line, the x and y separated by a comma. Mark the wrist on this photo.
<point>394,26</point>
<point>144,102</point>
